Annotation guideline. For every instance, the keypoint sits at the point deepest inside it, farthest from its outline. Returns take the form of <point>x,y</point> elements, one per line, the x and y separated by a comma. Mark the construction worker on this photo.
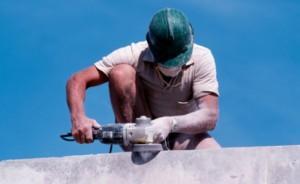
<point>168,78</point>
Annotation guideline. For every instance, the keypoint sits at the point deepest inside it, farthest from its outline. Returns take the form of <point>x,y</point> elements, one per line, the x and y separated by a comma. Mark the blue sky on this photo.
<point>255,43</point>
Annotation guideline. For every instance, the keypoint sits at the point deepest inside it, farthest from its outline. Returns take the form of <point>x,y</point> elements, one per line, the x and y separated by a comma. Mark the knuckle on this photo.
<point>77,140</point>
<point>85,129</point>
<point>89,136</point>
<point>89,140</point>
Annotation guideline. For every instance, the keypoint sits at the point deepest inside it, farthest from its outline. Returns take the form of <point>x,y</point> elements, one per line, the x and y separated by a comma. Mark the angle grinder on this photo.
<point>136,135</point>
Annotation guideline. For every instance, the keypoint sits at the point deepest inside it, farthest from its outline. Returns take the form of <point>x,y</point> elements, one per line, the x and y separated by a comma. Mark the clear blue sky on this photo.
<point>256,45</point>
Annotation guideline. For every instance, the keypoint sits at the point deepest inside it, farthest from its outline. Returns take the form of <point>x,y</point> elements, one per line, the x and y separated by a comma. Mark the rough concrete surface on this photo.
<point>256,165</point>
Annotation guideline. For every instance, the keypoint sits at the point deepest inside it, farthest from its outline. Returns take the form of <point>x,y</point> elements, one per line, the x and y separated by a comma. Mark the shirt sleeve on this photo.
<point>124,55</point>
<point>205,79</point>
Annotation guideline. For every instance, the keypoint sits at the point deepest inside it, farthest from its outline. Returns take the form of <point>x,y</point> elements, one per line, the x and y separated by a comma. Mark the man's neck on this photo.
<point>166,78</point>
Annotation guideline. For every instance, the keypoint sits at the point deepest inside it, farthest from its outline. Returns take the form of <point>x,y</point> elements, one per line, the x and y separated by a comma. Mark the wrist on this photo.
<point>77,117</point>
<point>174,124</point>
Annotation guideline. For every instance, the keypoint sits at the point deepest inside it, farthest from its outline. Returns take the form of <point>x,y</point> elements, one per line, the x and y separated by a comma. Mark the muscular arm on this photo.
<point>196,122</point>
<point>201,120</point>
<point>76,87</point>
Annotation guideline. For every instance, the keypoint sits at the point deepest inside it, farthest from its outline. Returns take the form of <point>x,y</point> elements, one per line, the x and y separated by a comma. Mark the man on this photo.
<point>168,78</point>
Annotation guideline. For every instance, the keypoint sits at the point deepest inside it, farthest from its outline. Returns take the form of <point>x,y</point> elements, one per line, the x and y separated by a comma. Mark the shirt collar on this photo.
<point>148,56</point>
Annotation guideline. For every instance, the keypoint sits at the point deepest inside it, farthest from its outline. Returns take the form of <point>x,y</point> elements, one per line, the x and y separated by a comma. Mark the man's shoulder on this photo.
<point>139,45</point>
<point>200,49</point>
<point>135,47</point>
<point>202,56</point>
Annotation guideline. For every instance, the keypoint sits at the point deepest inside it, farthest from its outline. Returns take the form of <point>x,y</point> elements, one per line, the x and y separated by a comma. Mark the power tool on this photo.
<point>136,135</point>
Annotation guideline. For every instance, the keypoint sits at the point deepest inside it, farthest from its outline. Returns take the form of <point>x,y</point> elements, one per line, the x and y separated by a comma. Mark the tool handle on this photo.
<point>97,134</point>
<point>67,137</point>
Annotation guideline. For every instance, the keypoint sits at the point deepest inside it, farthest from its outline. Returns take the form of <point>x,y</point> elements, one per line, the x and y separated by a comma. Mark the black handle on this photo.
<point>67,137</point>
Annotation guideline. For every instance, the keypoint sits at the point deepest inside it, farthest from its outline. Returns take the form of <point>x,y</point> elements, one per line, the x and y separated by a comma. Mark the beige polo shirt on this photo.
<point>176,97</point>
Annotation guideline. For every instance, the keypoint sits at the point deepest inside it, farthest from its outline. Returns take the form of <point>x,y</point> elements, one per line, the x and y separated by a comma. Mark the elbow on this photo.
<point>212,125</point>
<point>73,81</point>
<point>70,82</point>
<point>213,118</point>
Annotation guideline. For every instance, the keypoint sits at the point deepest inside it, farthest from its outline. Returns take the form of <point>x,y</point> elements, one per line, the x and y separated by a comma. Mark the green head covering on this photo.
<point>170,38</point>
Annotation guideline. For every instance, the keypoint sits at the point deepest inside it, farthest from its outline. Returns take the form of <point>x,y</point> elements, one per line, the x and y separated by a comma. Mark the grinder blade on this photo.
<point>147,147</point>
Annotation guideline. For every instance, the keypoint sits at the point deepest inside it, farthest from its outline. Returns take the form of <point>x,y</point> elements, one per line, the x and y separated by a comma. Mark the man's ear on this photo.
<point>192,29</point>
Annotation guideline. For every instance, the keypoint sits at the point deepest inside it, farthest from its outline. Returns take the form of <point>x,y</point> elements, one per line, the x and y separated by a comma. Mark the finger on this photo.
<point>161,138</point>
<point>88,140</point>
<point>156,137</point>
<point>89,135</point>
<point>82,138</point>
<point>76,136</point>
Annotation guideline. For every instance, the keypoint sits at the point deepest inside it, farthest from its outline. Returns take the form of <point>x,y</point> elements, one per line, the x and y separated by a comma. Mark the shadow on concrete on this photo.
<point>143,157</point>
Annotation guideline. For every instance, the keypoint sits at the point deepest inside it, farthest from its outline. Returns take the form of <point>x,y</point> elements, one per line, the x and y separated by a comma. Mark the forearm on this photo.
<point>199,121</point>
<point>76,88</point>
<point>75,96</point>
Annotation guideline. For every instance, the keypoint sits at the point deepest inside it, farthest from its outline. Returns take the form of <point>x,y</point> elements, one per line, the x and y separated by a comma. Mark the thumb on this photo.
<point>96,124</point>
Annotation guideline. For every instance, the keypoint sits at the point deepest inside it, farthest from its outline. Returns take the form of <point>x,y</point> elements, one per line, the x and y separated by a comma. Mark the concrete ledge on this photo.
<point>257,165</point>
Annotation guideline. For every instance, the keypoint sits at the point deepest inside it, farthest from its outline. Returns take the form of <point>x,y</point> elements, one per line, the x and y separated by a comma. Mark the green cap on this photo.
<point>170,38</point>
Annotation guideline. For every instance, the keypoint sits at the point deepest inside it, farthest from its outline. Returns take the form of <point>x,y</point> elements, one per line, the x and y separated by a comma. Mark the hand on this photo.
<point>161,127</point>
<point>82,129</point>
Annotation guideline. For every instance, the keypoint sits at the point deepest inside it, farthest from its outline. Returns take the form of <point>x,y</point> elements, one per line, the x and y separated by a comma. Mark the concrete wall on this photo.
<point>258,165</point>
